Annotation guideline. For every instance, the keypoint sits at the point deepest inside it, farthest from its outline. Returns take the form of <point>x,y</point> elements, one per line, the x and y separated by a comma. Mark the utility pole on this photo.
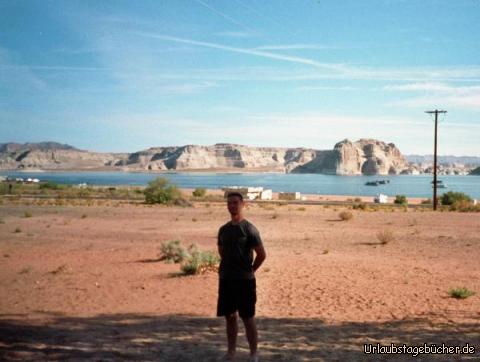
<point>436,112</point>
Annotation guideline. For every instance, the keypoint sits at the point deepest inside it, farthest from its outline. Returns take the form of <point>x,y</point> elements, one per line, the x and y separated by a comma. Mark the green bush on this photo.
<point>400,200</point>
<point>359,206</point>
<point>199,261</point>
<point>173,252</point>
<point>161,191</point>
<point>450,197</point>
<point>49,185</point>
<point>461,293</point>
<point>199,192</point>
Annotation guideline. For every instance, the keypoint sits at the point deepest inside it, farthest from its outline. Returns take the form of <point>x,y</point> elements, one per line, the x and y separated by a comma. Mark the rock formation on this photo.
<point>365,156</point>
<point>475,172</point>
<point>51,156</point>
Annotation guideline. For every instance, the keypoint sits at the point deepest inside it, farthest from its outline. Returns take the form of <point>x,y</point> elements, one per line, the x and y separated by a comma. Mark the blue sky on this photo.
<point>128,75</point>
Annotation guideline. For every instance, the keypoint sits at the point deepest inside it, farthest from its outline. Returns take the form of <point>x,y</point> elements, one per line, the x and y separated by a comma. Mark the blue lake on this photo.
<point>412,186</point>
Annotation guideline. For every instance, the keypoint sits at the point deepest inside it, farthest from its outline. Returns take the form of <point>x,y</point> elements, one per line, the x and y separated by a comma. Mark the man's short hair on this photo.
<point>234,193</point>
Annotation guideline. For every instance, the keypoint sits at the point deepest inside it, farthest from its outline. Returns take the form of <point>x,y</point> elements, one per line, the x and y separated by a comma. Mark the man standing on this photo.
<point>237,240</point>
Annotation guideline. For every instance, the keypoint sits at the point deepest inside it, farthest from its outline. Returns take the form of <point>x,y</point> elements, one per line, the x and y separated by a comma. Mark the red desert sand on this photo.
<point>85,283</point>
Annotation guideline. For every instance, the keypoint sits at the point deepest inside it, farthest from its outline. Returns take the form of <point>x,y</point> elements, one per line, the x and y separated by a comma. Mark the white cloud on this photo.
<point>438,95</point>
<point>14,76</point>
<point>259,53</point>
<point>295,47</point>
<point>325,88</point>
<point>236,34</point>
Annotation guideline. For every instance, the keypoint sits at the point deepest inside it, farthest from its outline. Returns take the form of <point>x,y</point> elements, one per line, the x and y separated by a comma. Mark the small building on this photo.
<point>380,199</point>
<point>289,195</point>
<point>249,193</point>
<point>266,195</point>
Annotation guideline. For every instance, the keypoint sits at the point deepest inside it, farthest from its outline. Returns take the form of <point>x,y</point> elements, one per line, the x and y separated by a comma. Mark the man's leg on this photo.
<point>232,332</point>
<point>252,336</point>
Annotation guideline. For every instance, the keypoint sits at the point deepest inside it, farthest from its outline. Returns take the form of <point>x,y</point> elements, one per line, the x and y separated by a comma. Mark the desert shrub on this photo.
<point>400,200</point>
<point>18,230</point>
<point>450,197</point>
<point>199,192</point>
<point>359,206</point>
<point>357,199</point>
<point>60,269</point>
<point>385,236</point>
<point>27,214</point>
<point>460,293</point>
<point>173,252</point>
<point>25,270</point>
<point>427,202</point>
<point>51,185</point>
<point>301,209</point>
<point>199,261</point>
<point>161,191</point>
<point>464,206</point>
<point>345,215</point>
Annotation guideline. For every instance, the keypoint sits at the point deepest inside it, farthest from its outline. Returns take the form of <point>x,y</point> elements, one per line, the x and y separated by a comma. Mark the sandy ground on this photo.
<point>84,283</point>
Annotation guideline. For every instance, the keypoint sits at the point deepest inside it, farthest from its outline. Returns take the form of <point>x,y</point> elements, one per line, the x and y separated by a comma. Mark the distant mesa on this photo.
<point>362,157</point>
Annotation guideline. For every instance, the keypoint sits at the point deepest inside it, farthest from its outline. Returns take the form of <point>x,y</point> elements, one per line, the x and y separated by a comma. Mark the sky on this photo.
<point>122,76</point>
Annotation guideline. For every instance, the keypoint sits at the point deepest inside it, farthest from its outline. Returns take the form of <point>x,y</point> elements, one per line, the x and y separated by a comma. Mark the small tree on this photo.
<point>161,191</point>
<point>451,197</point>
<point>401,200</point>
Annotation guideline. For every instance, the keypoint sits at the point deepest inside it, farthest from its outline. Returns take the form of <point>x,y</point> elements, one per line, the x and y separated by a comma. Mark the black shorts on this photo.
<point>239,294</point>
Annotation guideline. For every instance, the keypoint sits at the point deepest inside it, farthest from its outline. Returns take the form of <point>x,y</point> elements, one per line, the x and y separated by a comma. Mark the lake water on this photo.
<point>412,186</point>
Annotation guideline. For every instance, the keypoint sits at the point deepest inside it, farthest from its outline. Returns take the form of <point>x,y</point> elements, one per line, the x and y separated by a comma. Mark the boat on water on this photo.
<point>377,182</point>
<point>440,184</point>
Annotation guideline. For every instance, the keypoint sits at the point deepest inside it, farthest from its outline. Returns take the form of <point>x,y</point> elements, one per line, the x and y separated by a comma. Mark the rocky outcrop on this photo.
<point>365,156</point>
<point>51,156</point>
<point>219,156</point>
<point>475,172</point>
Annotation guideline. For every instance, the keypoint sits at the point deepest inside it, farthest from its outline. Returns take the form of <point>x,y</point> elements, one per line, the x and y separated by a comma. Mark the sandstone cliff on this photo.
<point>365,156</point>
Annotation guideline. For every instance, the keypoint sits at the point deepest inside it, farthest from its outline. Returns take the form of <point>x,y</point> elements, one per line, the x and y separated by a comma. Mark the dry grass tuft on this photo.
<point>345,215</point>
<point>385,236</point>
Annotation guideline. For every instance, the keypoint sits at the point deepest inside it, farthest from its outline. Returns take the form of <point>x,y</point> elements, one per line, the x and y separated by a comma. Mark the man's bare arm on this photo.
<point>260,257</point>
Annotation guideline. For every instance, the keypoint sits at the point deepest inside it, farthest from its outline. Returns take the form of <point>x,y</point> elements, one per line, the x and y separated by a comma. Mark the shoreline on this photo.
<point>316,197</point>
<point>212,171</point>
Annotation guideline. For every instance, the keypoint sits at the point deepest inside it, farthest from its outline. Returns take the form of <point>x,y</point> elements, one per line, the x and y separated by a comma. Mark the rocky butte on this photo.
<point>363,157</point>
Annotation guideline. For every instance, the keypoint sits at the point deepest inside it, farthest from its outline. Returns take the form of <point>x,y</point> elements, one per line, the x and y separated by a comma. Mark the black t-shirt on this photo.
<point>237,243</point>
